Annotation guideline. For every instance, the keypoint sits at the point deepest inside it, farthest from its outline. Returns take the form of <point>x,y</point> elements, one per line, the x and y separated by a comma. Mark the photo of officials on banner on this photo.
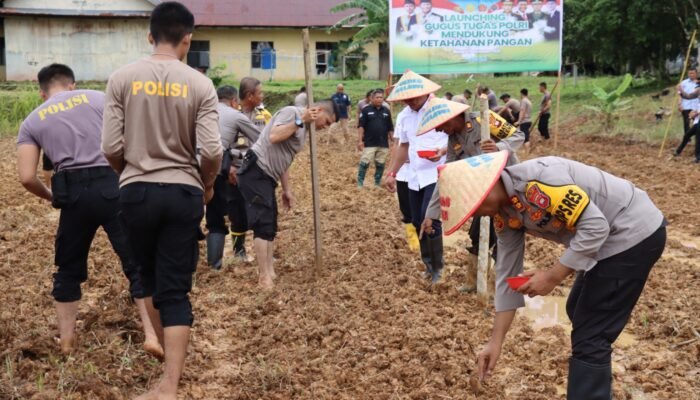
<point>475,36</point>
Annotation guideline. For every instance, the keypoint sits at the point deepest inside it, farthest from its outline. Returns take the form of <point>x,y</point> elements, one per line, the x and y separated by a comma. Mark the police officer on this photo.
<point>251,95</point>
<point>267,163</point>
<point>237,135</point>
<point>613,234</point>
<point>158,111</point>
<point>67,127</point>
<point>464,131</point>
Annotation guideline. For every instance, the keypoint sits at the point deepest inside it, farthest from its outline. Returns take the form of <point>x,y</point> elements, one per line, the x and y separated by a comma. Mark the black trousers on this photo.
<point>525,127</point>
<point>475,231</point>
<point>91,200</point>
<point>694,131</point>
<point>227,200</point>
<point>601,300</point>
<point>686,121</point>
<point>258,191</point>
<point>404,202</point>
<point>543,125</point>
<point>163,225</point>
<point>419,201</point>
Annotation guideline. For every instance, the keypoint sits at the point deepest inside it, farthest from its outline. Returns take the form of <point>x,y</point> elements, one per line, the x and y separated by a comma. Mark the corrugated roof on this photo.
<point>265,13</point>
<point>52,12</point>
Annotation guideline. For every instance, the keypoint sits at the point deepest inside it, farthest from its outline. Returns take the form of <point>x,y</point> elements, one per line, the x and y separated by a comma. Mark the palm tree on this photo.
<point>372,17</point>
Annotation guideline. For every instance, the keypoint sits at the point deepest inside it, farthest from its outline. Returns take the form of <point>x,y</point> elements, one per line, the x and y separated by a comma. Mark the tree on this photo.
<point>372,17</point>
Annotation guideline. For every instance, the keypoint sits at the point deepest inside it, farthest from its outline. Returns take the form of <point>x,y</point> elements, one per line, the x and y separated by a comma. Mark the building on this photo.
<point>259,38</point>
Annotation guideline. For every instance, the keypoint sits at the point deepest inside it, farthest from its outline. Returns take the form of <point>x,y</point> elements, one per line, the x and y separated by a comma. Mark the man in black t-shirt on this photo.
<point>375,134</point>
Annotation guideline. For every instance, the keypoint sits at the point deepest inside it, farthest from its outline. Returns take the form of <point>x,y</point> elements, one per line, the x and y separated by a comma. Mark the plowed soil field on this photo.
<point>366,326</point>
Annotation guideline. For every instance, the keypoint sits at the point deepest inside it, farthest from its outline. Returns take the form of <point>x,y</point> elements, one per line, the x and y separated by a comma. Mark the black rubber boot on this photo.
<point>238,240</point>
<point>215,249</point>
<point>436,255</point>
<point>378,173</point>
<point>425,256</point>
<point>361,172</point>
<point>589,381</point>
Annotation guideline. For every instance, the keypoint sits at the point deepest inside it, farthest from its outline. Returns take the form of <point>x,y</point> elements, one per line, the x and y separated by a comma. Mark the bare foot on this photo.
<point>266,283</point>
<point>67,345</point>
<point>152,347</point>
<point>156,394</point>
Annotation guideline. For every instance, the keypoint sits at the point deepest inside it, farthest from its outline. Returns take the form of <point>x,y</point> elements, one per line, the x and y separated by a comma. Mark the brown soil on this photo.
<point>364,327</point>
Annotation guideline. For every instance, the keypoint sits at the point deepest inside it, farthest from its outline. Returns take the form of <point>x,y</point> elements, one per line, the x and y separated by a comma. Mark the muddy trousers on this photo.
<point>227,200</point>
<point>90,199</point>
<point>599,306</point>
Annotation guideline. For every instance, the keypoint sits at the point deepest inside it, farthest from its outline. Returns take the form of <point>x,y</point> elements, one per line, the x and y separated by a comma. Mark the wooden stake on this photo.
<point>314,157</point>
<point>556,117</point>
<point>676,97</point>
<point>482,289</point>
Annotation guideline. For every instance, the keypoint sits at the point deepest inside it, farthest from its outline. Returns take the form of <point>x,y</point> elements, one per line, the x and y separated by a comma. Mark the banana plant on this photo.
<point>611,103</point>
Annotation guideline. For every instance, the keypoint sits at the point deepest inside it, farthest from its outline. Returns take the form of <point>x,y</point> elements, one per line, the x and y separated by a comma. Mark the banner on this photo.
<point>475,36</point>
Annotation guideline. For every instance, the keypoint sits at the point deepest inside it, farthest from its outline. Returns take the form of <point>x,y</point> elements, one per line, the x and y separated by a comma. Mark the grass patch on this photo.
<point>18,99</point>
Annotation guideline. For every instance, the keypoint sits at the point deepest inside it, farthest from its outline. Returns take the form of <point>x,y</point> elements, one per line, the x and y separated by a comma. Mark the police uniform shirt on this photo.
<point>67,127</point>
<point>275,159</point>
<point>172,111</point>
<point>238,133</point>
<point>468,144</point>
<point>257,117</point>
<point>421,172</point>
<point>377,124</point>
<point>594,214</point>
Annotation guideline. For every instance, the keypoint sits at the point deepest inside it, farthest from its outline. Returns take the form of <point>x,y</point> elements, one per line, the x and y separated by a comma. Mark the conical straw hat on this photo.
<point>440,111</point>
<point>412,85</point>
<point>464,185</point>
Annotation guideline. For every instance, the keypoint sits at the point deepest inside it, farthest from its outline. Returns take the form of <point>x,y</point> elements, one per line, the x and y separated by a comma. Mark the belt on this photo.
<point>86,174</point>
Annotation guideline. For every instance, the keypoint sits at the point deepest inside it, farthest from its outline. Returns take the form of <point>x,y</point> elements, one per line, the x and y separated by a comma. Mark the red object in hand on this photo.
<point>427,153</point>
<point>517,281</point>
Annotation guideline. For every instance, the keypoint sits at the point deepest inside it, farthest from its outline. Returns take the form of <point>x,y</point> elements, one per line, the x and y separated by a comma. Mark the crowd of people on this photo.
<point>162,149</point>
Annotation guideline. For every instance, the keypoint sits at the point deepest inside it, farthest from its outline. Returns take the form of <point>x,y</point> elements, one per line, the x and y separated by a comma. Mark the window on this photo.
<point>324,51</point>
<point>2,51</point>
<point>263,55</point>
<point>198,57</point>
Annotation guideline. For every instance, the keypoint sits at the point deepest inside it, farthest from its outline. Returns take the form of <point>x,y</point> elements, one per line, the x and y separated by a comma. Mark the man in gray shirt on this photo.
<point>613,234</point>
<point>524,121</point>
<point>68,126</point>
<point>238,133</point>
<point>267,163</point>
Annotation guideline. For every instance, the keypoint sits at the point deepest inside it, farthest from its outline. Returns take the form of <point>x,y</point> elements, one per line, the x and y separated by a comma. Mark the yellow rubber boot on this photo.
<point>412,237</point>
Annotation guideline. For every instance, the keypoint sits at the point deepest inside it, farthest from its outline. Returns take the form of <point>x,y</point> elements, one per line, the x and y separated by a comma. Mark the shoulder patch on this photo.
<point>566,203</point>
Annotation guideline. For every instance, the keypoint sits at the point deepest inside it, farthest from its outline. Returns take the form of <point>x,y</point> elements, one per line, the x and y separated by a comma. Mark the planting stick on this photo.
<point>675,98</point>
<point>483,268</point>
<point>556,117</point>
<point>314,157</point>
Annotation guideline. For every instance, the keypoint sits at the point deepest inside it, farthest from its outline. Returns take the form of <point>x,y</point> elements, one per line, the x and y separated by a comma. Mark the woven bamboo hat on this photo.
<point>464,185</point>
<point>412,85</point>
<point>440,111</point>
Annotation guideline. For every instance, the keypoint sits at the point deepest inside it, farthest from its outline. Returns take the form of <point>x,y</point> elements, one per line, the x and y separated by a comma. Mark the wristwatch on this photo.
<point>298,122</point>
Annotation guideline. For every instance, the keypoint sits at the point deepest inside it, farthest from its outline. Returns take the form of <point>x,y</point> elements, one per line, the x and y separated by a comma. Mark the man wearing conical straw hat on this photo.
<point>464,132</point>
<point>425,154</point>
<point>612,231</point>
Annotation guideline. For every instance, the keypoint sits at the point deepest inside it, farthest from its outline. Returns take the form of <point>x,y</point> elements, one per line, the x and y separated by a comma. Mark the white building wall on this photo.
<point>93,48</point>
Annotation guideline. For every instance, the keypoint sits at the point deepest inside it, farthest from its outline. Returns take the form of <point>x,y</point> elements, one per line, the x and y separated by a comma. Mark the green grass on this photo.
<point>17,100</point>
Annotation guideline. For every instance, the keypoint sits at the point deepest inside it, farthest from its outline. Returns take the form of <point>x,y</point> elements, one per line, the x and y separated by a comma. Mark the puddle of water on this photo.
<point>548,311</point>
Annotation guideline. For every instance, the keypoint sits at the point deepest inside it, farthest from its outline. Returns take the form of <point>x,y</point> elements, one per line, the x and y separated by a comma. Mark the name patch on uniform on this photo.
<point>565,203</point>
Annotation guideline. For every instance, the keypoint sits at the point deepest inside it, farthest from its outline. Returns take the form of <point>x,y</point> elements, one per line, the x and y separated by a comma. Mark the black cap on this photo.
<point>409,2</point>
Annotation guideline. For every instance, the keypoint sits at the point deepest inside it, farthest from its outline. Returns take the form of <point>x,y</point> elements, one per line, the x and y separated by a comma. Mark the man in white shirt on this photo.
<point>688,105</point>
<point>425,153</point>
